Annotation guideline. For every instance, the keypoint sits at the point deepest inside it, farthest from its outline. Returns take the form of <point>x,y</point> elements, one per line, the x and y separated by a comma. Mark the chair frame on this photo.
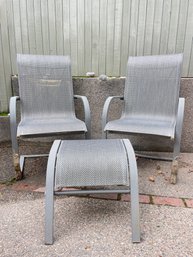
<point>50,192</point>
<point>177,137</point>
<point>19,160</point>
<point>178,131</point>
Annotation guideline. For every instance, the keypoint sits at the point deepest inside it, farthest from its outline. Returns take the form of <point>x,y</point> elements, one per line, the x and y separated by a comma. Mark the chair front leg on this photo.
<point>135,215</point>
<point>49,199</point>
<point>176,152</point>
<point>13,126</point>
<point>179,123</point>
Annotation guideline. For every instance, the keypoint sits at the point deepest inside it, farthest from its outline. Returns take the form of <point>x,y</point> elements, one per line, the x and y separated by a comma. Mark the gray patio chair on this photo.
<point>46,102</point>
<point>151,102</point>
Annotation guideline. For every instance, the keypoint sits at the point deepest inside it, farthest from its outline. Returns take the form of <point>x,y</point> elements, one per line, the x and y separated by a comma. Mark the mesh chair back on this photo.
<point>45,86</point>
<point>152,87</point>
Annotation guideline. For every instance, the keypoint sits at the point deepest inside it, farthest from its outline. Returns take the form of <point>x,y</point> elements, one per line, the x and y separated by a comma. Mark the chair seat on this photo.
<point>142,126</point>
<point>91,163</point>
<point>29,127</point>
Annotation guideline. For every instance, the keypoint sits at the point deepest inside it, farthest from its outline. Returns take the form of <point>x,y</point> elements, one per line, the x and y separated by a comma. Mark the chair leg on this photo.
<point>14,141</point>
<point>49,200</point>
<point>16,162</point>
<point>174,172</point>
<point>22,162</point>
<point>16,159</point>
<point>135,220</point>
<point>49,216</point>
<point>176,152</point>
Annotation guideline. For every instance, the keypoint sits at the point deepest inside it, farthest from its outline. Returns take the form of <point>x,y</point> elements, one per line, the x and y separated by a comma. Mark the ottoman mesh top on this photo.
<point>91,163</point>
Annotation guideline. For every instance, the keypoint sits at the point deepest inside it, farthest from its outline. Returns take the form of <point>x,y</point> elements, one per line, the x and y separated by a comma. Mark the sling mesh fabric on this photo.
<point>46,94</point>
<point>151,96</point>
<point>91,163</point>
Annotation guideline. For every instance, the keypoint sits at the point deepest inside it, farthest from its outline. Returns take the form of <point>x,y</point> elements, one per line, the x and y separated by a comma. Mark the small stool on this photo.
<point>87,163</point>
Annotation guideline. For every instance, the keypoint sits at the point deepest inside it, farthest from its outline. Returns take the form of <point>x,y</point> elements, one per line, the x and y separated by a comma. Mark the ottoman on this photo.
<point>92,164</point>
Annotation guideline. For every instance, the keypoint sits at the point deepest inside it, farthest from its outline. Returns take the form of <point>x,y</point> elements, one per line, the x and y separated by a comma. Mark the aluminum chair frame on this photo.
<point>178,130</point>
<point>50,192</point>
<point>178,127</point>
<point>19,160</point>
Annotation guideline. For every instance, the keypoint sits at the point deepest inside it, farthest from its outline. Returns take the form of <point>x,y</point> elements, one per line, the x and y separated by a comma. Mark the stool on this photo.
<point>91,163</point>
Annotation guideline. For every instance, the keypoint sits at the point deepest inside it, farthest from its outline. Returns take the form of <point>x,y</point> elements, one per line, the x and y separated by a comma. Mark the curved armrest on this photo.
<point>13,121</point>
<point>179,123</point>
<point>106,109</point>
<point>86,113</point>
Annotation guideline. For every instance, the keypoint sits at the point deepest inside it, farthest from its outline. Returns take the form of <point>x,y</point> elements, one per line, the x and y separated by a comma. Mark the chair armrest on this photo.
<point>106,109</point>
<point>86,113</point>
<point>13,120</point>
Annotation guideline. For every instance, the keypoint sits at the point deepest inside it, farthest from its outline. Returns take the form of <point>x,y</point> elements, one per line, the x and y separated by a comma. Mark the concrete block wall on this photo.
<point>97,91</point>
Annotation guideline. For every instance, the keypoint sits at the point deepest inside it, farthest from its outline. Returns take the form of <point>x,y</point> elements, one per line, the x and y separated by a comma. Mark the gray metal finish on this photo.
<point>135,221</point>
<point>87,192</point>
<point>49,194</point>
<point>23,157</point>
<point>46,99</point>
<point>178,131</point>
<point>85,147</point>
<point>151,99</point>
<point>13,122</point>
<point>105,113</point>
<point>87,113</point>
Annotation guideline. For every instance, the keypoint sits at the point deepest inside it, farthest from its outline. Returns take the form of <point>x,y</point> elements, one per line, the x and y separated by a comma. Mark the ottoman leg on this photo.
<point>135,221</point>
<point>49,203</point>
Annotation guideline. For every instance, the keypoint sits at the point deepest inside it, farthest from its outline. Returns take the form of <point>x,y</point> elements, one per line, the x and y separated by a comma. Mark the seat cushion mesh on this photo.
<point>50,126</point>
<point>142,126</point>
<point>91,163</point>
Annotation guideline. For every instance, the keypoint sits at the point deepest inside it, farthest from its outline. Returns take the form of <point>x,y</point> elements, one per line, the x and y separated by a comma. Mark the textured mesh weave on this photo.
<point>151,95</point>
<point>91,163</point>
<point>46,93</point>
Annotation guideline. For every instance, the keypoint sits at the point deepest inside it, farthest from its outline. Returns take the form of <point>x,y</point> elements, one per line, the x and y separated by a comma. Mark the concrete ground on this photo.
<point>89,226</point>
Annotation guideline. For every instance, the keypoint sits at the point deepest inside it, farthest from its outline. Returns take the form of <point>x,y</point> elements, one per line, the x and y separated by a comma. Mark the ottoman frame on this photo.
<point>50,191</point>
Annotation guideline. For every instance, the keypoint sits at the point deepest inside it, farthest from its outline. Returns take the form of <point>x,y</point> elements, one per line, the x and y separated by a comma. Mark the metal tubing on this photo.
<point>88,192</point>
<point>49,200</point>
<point>135,220</point>
<point>13,122</point>
<point>105,113</point>
<point>86,113</point>
<point>179,123</point>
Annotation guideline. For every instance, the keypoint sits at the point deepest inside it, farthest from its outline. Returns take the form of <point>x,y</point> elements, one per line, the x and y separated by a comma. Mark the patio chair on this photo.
<point>46,102</point>
<point>151,102</point>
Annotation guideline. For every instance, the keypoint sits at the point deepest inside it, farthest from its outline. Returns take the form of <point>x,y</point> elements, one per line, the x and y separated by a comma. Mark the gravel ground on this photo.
<point>6,168</point>
<point>33,166</point>
<point>183,188</point>
<point>90,227</point>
